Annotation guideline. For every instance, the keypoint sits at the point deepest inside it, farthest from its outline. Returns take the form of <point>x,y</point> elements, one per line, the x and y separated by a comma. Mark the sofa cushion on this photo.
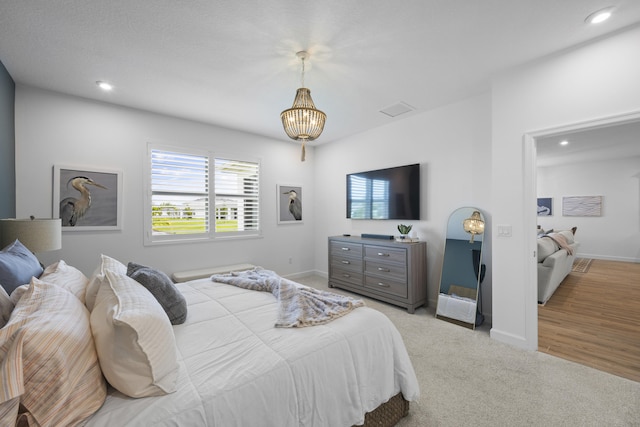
<point>546,246</point>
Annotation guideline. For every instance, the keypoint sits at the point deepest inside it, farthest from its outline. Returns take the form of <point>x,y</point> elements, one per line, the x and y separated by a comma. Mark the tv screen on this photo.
<point>392,193</point>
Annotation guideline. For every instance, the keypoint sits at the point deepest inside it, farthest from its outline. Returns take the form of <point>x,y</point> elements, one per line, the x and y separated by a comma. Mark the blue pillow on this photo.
<point>17,266</point>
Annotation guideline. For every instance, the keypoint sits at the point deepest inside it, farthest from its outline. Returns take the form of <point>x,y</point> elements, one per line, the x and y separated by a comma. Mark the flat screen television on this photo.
<point>392,193</point>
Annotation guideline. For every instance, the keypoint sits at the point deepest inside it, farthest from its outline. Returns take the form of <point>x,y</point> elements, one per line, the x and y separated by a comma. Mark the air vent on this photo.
<point>397,109</point>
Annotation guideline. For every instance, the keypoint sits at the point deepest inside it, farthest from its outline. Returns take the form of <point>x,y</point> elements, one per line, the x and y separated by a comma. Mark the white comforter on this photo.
<point>237,369</point>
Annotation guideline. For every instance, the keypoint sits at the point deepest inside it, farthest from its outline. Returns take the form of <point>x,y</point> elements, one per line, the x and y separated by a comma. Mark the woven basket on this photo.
<point>388,414</point>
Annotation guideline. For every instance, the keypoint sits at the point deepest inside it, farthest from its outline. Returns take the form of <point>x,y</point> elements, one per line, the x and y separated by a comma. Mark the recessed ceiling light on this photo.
<point>564,142</point>
<point>599,16</point>
<point>104,86</point>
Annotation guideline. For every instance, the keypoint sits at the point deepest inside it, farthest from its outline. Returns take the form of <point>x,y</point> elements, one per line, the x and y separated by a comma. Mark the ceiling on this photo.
<point>598,144</point>
<point>233,63</point>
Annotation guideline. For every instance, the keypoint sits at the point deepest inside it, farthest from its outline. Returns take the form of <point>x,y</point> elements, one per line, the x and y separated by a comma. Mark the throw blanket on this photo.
<point>299,305</point>
<point>561,241</point>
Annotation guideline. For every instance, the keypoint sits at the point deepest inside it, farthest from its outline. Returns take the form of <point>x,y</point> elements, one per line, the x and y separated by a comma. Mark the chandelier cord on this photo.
<point>302,77</point>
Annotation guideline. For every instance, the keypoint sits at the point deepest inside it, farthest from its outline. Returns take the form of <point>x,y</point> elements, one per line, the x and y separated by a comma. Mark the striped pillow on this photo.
<point>48,360</point>
<point>66,276</point>
<point>97,278</point>
<point>134,339</point>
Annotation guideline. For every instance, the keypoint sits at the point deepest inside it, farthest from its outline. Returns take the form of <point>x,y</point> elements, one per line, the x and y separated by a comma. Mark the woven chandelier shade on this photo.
<point>303,122</point>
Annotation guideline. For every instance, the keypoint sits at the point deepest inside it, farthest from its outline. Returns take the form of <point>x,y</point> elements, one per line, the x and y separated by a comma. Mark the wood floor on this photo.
<point>593,318</point>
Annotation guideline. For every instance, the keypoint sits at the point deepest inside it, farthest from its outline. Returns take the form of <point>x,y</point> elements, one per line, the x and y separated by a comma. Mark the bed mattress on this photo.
<point>237,369</point>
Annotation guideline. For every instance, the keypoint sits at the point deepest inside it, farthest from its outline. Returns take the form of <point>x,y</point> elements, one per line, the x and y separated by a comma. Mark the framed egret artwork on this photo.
<point>290,204</point>
<point>87,199</point>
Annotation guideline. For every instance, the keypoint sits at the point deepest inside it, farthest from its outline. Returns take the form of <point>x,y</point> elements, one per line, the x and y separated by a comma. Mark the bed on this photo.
<point>225,364</point>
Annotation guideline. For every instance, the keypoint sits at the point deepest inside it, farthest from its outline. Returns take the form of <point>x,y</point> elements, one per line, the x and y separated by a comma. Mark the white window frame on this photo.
<point>211,235</point>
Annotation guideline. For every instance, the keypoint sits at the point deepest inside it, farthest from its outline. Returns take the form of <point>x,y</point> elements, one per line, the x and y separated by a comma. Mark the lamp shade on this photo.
<point>38,235</point>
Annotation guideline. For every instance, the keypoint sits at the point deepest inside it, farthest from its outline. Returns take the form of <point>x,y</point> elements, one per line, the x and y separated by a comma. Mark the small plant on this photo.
<point>404,229</point>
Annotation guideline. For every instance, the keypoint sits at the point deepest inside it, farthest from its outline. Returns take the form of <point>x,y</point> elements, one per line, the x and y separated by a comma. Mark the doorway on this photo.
<point>588,144</point>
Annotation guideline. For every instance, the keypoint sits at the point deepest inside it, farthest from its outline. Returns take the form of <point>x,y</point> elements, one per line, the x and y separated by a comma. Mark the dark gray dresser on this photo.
<point>382,269</point>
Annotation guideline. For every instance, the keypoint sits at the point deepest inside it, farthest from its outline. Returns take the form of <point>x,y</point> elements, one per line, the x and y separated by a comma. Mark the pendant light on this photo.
<point>303,122</point>
<point>473,225</point>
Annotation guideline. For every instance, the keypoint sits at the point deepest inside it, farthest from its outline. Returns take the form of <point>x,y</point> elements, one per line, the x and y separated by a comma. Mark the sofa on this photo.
<point>556,253</point>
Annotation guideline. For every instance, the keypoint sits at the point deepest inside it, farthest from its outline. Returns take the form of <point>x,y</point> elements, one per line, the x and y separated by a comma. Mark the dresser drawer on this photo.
<point>387,270</point>
<point>345,249</point>
<point>387,254</point>
<point>385,286</point>
<point>348,276</point>
<point>346,263</point>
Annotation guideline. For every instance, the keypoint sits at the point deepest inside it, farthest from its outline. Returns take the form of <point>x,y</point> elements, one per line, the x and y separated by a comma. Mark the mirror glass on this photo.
<point>462,268</point>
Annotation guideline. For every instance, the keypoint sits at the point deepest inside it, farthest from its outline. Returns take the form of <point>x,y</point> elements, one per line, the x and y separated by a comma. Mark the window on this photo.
<point>183,184</point>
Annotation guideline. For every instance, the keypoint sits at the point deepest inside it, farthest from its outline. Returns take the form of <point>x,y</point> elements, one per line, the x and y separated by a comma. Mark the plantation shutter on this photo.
<point>179,193</point>
<point>237,193</point>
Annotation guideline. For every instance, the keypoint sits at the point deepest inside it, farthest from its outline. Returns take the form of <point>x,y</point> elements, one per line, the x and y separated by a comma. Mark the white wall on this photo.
<point>593,81</point>
<point>54,129</point>
<point>615,234</point>
<point>452,145</point>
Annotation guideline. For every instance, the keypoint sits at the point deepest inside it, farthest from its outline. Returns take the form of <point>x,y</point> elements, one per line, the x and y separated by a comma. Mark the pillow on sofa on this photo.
<point>17,266</point>
<point>568,235</point>
<point>546,246</point>
<point>163,289</point>
<point>67,277</point>
<point>49,362</point>
<point>6,307</point>
<point>134,339</point>
<point>97,278</point>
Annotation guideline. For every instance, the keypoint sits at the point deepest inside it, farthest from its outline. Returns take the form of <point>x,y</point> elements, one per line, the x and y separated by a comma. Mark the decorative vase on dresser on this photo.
<point>381,269</point>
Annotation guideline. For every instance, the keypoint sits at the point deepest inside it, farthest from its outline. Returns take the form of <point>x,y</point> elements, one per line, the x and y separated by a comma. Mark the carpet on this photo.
<point>581,265</point>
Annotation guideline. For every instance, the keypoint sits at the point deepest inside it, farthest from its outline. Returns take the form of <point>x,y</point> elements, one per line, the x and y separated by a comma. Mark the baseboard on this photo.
<point>608,258</point>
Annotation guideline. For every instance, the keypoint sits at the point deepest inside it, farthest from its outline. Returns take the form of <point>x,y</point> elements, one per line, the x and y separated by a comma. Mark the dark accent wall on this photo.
<point>7,145</point>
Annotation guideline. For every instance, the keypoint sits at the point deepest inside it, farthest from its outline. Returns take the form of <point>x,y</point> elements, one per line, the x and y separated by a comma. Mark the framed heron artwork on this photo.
<point>87,199</point>
<point>289,204</point>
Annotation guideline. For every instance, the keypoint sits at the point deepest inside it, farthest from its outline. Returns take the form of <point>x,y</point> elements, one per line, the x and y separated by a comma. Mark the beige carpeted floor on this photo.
<point>467,378</point>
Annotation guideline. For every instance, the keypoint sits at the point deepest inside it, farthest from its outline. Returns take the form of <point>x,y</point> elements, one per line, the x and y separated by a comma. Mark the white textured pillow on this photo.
<point>49,363</point>
<point>67,277</point>
<point>97,278</point>
<point>134,339</point>
<point>568,235</point>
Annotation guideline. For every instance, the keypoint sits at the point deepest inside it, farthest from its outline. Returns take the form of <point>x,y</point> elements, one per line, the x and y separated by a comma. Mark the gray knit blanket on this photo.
<point>298,305</point>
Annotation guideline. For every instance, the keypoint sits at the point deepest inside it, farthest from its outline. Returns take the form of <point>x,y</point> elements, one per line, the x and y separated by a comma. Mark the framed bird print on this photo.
<point>87,199</point>
<point>289,204</point>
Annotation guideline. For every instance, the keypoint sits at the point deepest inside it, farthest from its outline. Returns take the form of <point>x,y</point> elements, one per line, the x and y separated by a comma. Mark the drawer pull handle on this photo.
<point>386,270</point>
<point>346,262</point>
<point>346,275</point>
<point>384,285</point>
<point>346,249</point>
<point>382,254</point>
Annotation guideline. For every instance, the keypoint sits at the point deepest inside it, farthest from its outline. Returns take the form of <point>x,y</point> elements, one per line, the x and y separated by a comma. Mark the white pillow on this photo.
<point>67,277</point>
<point>106,263</point>
<point>134,338</point>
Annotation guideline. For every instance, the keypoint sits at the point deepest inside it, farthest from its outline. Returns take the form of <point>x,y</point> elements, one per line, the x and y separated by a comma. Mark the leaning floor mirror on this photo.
<point>462,269</point>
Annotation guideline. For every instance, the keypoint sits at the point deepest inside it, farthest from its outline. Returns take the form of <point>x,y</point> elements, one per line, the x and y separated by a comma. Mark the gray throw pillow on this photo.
<point>163,289</point>
<point>17,266</point>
